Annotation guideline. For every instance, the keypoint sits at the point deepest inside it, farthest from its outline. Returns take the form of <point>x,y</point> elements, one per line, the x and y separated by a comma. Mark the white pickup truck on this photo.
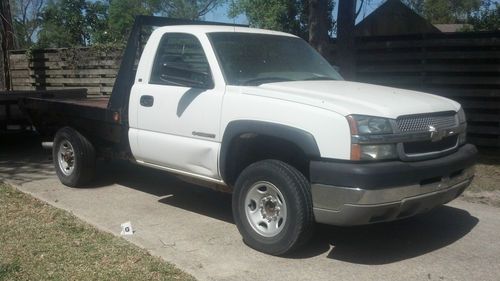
<point>261,114</point>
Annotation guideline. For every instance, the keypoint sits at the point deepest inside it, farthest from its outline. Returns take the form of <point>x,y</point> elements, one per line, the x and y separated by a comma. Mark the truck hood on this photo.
<point>354,98</point>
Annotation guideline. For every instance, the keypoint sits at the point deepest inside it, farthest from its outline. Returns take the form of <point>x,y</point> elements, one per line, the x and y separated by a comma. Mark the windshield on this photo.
<point>254,59</point>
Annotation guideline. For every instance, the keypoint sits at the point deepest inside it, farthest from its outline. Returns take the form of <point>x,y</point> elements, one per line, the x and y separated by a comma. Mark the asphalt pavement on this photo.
<point>192,227</point>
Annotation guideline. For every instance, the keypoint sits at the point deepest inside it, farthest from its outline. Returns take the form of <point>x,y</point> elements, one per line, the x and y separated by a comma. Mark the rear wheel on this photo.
<point>74,157</point>
<point>272,207</point>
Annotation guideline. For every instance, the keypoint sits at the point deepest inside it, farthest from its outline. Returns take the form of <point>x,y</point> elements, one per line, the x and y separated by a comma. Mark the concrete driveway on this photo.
<point>192,228</point>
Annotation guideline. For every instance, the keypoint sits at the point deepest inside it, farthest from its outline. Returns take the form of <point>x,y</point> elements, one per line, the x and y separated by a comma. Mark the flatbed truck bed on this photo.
<point>91,115</point>
<point>12,117</point>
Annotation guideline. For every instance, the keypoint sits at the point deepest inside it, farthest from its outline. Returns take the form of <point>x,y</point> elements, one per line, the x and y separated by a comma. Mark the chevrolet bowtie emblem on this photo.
<point>435,134</point>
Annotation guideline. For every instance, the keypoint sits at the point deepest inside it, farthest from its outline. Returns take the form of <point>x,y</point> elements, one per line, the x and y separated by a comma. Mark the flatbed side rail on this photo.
<point>12,114</point>
<point>87,116</point>
<point>63,93</point>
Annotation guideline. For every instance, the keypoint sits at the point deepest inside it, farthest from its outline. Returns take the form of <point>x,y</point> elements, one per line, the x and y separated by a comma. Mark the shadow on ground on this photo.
<point>371,245</point>
<point>394,241</point>
<point>385,243</point>
<point>169,188</point>
<point>22,158</point>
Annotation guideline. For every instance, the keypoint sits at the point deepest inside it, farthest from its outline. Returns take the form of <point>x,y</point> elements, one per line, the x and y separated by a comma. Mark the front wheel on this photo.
<point>272,207</point>
<point>74,157</point>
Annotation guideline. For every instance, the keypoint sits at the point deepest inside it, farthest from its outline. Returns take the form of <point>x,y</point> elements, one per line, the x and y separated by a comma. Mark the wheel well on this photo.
<point>249,148</point>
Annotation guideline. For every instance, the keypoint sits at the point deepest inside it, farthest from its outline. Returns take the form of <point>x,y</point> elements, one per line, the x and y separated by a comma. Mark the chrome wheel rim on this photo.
<point>265,209</point>
<point>66,157</point>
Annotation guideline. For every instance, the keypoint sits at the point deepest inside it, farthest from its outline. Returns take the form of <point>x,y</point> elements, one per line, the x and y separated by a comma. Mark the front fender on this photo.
<point>302,139</point>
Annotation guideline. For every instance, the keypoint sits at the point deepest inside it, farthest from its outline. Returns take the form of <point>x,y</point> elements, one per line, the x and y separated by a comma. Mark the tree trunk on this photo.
<point>3,87</point>
<point>7,43</point>
<point>318,26</point>
<point>346,38</point>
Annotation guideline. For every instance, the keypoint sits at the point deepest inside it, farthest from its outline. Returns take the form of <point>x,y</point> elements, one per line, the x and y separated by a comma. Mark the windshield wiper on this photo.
<point>263,80</point>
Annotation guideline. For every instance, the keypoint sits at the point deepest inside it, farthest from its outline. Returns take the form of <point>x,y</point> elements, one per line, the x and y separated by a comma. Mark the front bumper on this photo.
<point>346,193</point>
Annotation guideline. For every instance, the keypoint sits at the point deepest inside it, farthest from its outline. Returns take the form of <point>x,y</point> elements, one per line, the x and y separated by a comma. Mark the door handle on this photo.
<point>147,101</point>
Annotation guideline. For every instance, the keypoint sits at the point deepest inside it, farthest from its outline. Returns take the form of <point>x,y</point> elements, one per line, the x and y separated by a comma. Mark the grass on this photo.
<point>40,242</point>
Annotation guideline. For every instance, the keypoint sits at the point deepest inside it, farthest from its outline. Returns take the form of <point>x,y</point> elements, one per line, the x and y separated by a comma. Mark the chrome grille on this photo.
<point>421,122</point>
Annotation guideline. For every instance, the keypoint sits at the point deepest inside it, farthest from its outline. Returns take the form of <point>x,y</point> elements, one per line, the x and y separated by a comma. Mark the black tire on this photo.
<point>294,187</point>
<point>84,159</point>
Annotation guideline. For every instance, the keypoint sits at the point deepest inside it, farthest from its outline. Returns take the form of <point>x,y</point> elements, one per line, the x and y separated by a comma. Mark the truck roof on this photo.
<point>219,28</point>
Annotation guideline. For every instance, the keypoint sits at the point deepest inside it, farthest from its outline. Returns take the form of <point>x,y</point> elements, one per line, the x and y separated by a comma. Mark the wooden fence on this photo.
<point>69,68</point>
<point>461,66</point>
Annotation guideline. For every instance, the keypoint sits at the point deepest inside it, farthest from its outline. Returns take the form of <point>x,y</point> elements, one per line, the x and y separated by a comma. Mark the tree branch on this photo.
<point>359,9</point>
<point>207,8</point>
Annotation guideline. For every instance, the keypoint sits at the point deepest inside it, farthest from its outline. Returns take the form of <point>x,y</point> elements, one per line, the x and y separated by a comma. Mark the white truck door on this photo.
<point>178,111</point>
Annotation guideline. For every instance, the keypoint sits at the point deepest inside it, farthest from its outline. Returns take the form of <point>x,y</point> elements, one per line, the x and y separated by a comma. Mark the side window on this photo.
<point>180,61</point>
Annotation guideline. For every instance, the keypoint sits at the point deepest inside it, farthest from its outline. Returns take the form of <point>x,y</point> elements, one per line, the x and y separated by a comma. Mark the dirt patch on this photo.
<point>491,198</point>
<point>485,187</point>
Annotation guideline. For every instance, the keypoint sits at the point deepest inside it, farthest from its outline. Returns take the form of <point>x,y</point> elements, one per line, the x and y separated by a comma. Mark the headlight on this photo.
<point>374,152</point>
<point>461,116</point>
<point>371,125</point>
<point>363,125</point>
